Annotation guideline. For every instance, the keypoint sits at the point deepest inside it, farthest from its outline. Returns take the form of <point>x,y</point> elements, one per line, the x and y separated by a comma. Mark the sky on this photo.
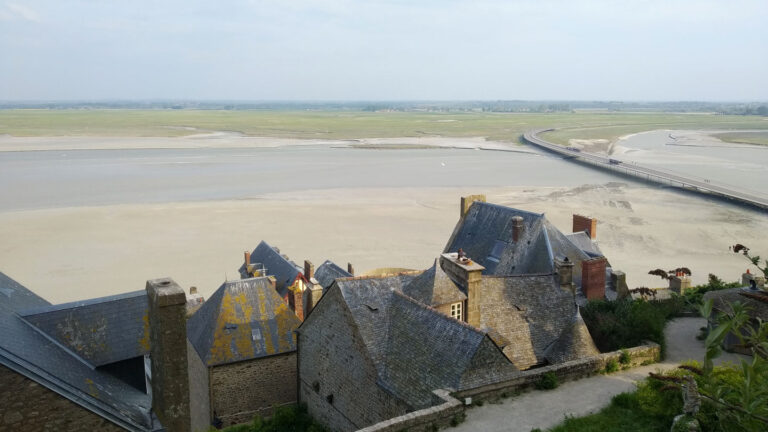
<point>267,50</point>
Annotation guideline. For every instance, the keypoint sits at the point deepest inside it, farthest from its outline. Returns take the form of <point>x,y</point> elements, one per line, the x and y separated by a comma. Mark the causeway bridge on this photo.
<point>649,174</point>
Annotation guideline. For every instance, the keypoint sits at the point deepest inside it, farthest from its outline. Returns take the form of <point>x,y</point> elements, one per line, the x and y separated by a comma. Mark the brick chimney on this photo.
<point>309,270</point>
<point>584,223</point>
<point>168,354</point>
<point>247,258</point>
<point>517,227</point>
<point>593,278</point>
<point>350,269</point>
<point>466,203</point>
<point>469,275</point>
<point>298,300</point>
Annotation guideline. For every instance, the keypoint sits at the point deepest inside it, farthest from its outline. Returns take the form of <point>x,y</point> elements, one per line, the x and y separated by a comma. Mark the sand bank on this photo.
<point>74,253</point>
<point>234,140</point>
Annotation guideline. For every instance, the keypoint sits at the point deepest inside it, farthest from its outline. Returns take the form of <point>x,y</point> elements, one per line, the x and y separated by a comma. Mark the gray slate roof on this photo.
<point>485,234</point>
<point>532,312</point>
<point>328,272</point>
<point>757,308</point>
<point>31,353</point>
<point>414,348</point>
<point>102,330</point>
<point>433,287</point>
<point>585,243</point>
<point>284,270</point>
<point>242,320</point>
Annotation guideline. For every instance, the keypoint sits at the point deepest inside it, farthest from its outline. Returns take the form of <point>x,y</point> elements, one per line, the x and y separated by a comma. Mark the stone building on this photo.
<point>244,357</point>
<point>508,303</point>
<point>508,241</point>
<point>290,281</point>
<point>81,365</point>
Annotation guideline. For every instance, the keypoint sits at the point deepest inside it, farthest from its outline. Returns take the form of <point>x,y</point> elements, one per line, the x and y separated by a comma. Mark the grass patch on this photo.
<point>623,414</point>
<point>548,381</point>
<point>755,138</point>
<point>289,418</point>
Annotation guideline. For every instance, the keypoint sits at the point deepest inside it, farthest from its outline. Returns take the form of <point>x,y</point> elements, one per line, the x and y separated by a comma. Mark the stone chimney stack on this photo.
<point>168,353</point>
<point>593,278</point>
<point>247,258</point>
<point>679,283</point>
<point>469,274</point>
<point>272,282</point>
<point>309,270</point>
<point>584,223</point>
<point>564,270</point>
<point>466,203</point>
<point>517,228</point>
<point>350,269</point>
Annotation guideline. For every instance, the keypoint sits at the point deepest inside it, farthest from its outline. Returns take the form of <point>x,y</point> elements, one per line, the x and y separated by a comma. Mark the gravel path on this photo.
<point>545,409</point>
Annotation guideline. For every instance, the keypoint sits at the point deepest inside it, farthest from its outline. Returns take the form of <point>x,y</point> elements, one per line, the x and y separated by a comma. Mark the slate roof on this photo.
<point>433,287</point>
<point>414,348</point>
<point>328,272</point>
<point>242,320</point>
<point>283,269</point>
<point>29,352</point>
<point>102,330</point>
<point>485,234</point>
<point>585,243</point>
<point>756,301</point>
<point>574,342</point>
<point>532,312</point>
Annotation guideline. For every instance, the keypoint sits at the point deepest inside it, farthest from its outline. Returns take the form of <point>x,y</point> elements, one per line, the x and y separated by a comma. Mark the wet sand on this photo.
<point>66,254</point>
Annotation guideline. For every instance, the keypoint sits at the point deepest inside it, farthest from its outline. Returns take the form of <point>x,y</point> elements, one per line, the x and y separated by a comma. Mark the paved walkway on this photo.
<point>545,409</point>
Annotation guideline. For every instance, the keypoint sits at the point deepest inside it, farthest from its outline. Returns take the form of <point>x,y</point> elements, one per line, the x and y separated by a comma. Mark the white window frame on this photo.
<point>457,311</point>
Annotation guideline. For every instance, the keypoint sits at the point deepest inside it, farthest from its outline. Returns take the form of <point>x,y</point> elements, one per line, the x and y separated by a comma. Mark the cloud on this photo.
<point>13,11</point>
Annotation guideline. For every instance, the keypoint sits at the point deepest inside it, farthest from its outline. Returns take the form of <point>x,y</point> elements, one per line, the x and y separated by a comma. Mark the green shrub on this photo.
<point>626,323</point>
<point>288,418</point>
<point>458,419</point>
<point>624,357</point>
<point>548,381</point>
<point>611,366</point>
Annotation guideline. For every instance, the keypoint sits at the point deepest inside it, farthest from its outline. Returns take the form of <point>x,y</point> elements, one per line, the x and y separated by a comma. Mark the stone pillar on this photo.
<point>593,278</point>
<point>470,275</point>
<point>466,203</point>
<point>584,223</point>
<point>168,353</point>
<point>619,283</point>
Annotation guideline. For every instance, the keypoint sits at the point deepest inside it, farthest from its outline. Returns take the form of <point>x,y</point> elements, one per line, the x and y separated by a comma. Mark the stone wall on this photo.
<point>199,391</point>
<point>27,406</point>
<point>443,415</point>
<point>340,391</point>
<point>240,391</point>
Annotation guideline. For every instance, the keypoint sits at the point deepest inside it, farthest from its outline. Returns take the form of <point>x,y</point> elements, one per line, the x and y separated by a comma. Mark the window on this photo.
<point>456,311</point>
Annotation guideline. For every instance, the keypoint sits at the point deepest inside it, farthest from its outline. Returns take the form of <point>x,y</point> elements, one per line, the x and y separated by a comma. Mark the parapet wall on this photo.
<point>443,414</point>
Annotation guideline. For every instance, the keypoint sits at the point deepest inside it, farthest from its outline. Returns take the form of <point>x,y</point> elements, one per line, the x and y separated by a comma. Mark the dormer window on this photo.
<point>456,311</point>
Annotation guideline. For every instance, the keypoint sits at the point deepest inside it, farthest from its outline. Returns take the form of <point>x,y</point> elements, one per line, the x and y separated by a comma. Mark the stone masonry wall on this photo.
<point>27,406</point>
<point>442,415</point>
<point>199,391</point>
<point>337,379</point>
<point>244,389</point>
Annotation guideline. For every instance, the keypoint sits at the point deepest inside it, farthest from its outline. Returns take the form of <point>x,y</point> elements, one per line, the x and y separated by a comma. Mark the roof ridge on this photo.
<point>364,277</point>
<point>503,207</point>
<point>81,303</point>
<point>519,275</point>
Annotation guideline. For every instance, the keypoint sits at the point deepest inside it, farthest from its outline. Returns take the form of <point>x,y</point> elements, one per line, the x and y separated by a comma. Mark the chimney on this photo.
<point>593,278</point>
<point>584,223</point>
<point>247,258</point>
<point>168,354</point>
<point>272,282</point>
<point>193,290</point>
<point>619,283</point>
<point>466,203</point>
<point>679,283</point>
<point>564,270</point>
<point>312,295</point>
<point>350,269</point>
<point>517,228</point>
<point>309,270</point>
<point>298,301</point>
<point>468,274</point>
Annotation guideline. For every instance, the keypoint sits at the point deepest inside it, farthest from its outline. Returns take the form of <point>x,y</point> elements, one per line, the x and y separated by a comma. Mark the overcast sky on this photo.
<point>384,50</point>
